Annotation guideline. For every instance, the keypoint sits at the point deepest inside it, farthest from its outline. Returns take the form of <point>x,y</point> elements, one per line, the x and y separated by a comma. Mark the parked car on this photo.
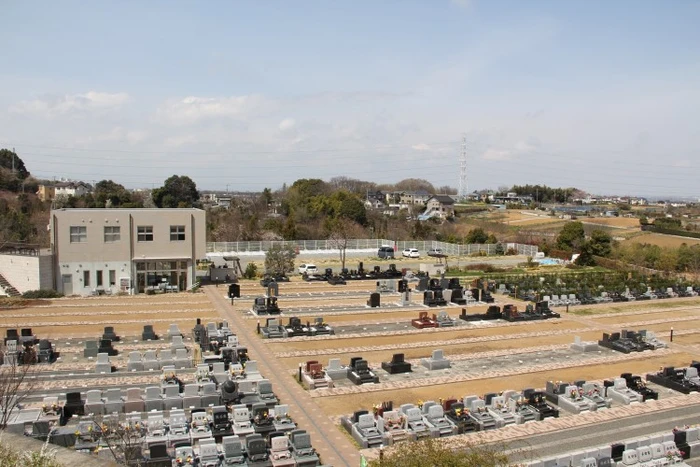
<point>411,253</point>
<point>435,252</point>
<point>308,269</point>
<point>386,252</point>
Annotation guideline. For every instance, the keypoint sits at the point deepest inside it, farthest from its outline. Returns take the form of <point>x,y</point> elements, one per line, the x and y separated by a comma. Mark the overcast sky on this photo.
<point>600,95</point>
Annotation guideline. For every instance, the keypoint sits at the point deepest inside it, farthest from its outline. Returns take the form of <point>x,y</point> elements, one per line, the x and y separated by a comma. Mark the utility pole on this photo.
<point>13,161</point>
<point>462,193</point>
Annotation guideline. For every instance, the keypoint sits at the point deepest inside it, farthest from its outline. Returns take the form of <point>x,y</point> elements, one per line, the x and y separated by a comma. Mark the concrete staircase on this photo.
<point>8,288</point>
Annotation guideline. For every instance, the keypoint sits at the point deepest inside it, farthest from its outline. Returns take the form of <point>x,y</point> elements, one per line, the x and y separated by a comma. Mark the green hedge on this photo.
<point>662,230</point>
<point>48,293</point>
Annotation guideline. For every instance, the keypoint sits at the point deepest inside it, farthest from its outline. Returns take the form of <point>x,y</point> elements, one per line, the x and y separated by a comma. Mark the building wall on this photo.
<point>94,254</point>
<point>46,193</point>
<point>27,272</point>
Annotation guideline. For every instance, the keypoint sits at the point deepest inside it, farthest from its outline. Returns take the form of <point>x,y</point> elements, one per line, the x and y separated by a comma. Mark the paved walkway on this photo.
<point>332,445</point>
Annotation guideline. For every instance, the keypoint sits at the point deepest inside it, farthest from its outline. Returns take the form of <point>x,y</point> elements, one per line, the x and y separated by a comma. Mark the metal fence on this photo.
<point>370,244</point>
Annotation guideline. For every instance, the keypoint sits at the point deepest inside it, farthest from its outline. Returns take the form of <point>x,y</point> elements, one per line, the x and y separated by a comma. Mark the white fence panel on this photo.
<point>450,249</point>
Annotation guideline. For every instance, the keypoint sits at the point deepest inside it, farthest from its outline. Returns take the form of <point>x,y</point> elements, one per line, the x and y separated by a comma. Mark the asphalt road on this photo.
<point>575,439</point>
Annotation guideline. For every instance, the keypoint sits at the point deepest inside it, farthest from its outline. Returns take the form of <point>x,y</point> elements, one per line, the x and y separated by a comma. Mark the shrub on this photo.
<point>251,271</point>
<point>485,267</point>
<point>511,252</point>
<point>11,458</point>
<point>48,293</point>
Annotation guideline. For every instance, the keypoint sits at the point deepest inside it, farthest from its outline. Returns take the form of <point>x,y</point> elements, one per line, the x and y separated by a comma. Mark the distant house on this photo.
<point>48,192</point>
<point>412,197</point>
<point>441,205</point>
<point>512,198</point>
<point>72,189</point>
<point>223,201</point>
<point>375,199</point>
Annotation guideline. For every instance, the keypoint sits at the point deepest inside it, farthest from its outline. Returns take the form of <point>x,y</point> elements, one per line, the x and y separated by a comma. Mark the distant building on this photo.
<point>411,197</point>
<point>48,192</point>
<point>376,199</point>
<point>512,198</point>
<point>442,206</point>
<point>125,250</point>
<point>72,189</point>
<point>223,201</point>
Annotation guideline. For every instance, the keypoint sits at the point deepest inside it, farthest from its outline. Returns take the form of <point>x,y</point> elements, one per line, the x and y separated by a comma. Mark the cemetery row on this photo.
<point>210,405</point>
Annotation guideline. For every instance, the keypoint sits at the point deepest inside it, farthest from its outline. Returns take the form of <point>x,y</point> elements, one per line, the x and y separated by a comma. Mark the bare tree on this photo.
<point>340,231</point>
<point>16,383</point>
<point>124,440</point>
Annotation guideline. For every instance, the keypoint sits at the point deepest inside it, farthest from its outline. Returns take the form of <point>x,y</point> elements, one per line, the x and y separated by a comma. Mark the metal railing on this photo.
<point>370,244</point>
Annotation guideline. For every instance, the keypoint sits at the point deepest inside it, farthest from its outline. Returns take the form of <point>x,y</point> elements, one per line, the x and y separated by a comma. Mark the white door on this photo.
<point>67,284</point>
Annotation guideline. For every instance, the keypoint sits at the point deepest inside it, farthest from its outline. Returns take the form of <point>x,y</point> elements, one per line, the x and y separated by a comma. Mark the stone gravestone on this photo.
<point>198,331</point>
<point>110,334</point>
<point>106,347</point>
<point>406,298</point>
<point>374,300</point>
<point>174,330</point>
<point>582,346</point>
<point>422,284</point>
<point>91,349</point>
<point>436,362</point>
<point>135,362</point>
<point>148,333</point>
<point>103,365</point>
<point>273,289</point>
<point>335,370</point>
<point>10,353</point>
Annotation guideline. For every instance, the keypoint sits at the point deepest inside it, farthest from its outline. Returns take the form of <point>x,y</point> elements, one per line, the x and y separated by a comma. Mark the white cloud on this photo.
<point>51,106</point>
<point>522,146</point>
<point>287,124</point>
<point>193,109</point>
<point>497,155</point>
<point>420,147</point>
<point>116,134</point>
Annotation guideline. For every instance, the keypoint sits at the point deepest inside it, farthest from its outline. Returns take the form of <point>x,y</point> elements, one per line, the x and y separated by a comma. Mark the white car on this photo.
<point>308,269</point>
<point>411,253</point>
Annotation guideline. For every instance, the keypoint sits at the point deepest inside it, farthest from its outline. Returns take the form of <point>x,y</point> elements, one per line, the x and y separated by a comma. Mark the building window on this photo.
<point>78,234</point>
<point>112,234</point>
<point>86,278</point>
<point>144,233</point>
<point>177,233</point>
<point>112,277</point>
<point>98,279</point>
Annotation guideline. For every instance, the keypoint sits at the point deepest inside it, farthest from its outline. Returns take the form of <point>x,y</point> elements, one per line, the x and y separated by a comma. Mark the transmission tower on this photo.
<point>462,194</point>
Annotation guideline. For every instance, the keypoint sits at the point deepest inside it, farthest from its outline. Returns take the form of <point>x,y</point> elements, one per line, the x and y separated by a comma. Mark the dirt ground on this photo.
<point>663,240</point>
<point>343,405</point>
<point>76,317</point>
<point>626,222</point>
<point>418,345</point>
<point>87,317</point>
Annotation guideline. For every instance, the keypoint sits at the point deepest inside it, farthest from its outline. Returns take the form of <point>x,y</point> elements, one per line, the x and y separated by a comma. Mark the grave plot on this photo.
<point>87,317</point>
<point>491,381</point>
<point>426,338</point>
<point>116,368</point>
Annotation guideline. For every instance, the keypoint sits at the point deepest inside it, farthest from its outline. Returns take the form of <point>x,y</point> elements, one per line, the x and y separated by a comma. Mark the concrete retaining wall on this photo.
<point>26,272</point>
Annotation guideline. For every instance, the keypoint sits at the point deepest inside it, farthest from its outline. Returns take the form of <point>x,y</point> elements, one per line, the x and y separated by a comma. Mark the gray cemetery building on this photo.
<point>126,250</point>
